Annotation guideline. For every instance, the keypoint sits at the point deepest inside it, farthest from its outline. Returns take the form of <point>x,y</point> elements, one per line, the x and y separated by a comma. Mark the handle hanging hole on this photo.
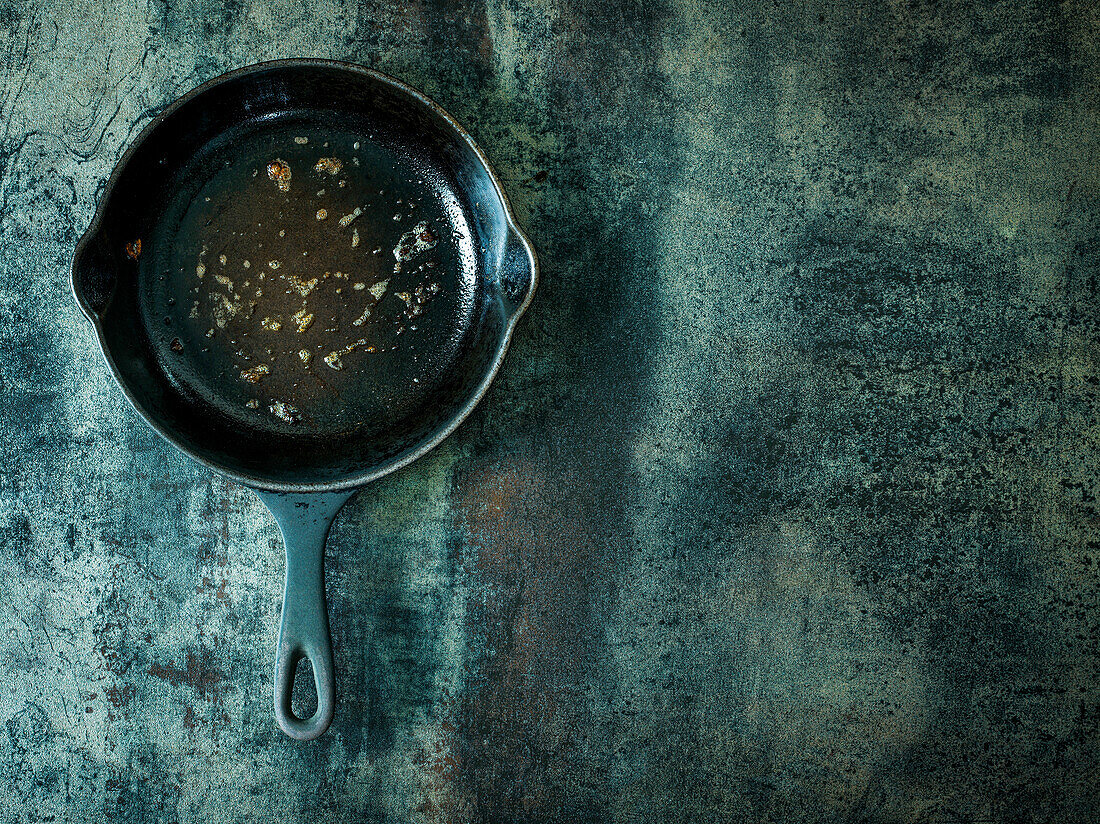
<point>303,696</point>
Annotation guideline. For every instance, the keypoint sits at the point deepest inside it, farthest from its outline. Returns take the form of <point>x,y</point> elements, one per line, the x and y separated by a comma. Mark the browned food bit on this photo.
<point>304,319</point>
<point>253,404</point>
<point>256,373</point>
<point>346,220</point>
<point>417,299</point>
<point>303,287</point>
<point>176,345</point>
<point>224,310</point>
<point>133,249</point>
<point>333,358</point>
<point>418,239</point>
<point>329,165</point>
<point>278,170</point>
<point>272,324</point>
<point>285,412</point>
<point>322,214</point>
<point>379,289</point>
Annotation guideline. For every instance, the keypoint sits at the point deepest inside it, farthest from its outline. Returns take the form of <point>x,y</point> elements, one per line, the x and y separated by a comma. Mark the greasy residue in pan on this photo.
<point>313,282</point>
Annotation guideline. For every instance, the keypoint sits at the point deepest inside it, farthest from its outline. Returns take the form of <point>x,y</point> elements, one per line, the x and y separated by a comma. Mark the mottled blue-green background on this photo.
<point>783,508</point>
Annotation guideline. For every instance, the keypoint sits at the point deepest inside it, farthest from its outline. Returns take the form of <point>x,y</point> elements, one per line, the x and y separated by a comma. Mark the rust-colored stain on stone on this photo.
<point>533,546</point>
<point>199,672</point>
<point>119,695</point>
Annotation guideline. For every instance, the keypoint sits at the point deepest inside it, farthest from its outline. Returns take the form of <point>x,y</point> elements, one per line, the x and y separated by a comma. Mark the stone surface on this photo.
<point>782,509</point>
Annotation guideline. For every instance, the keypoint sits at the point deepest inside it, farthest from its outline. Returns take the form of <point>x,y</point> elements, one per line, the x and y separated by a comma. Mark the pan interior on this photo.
<point>316,293</point>
<point>307,279</point>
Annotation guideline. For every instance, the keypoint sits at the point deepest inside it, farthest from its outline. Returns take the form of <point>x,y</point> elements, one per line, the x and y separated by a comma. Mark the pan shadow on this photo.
<point>392,595</point>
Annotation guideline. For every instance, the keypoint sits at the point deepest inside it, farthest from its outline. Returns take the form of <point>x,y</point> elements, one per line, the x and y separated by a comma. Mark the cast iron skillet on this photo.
<point>303,334</point>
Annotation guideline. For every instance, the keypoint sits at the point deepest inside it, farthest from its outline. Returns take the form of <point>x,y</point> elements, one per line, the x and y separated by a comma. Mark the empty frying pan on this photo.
<point>304,275</point>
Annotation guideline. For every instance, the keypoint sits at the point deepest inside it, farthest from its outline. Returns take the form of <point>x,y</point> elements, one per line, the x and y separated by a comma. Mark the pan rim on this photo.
<point>512,313</point>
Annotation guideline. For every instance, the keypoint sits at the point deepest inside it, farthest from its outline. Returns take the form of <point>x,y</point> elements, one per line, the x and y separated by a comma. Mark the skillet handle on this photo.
<point>304,519</point>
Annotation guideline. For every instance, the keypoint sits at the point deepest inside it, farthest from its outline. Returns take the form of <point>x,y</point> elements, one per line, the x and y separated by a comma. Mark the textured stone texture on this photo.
<point>783,507</point>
